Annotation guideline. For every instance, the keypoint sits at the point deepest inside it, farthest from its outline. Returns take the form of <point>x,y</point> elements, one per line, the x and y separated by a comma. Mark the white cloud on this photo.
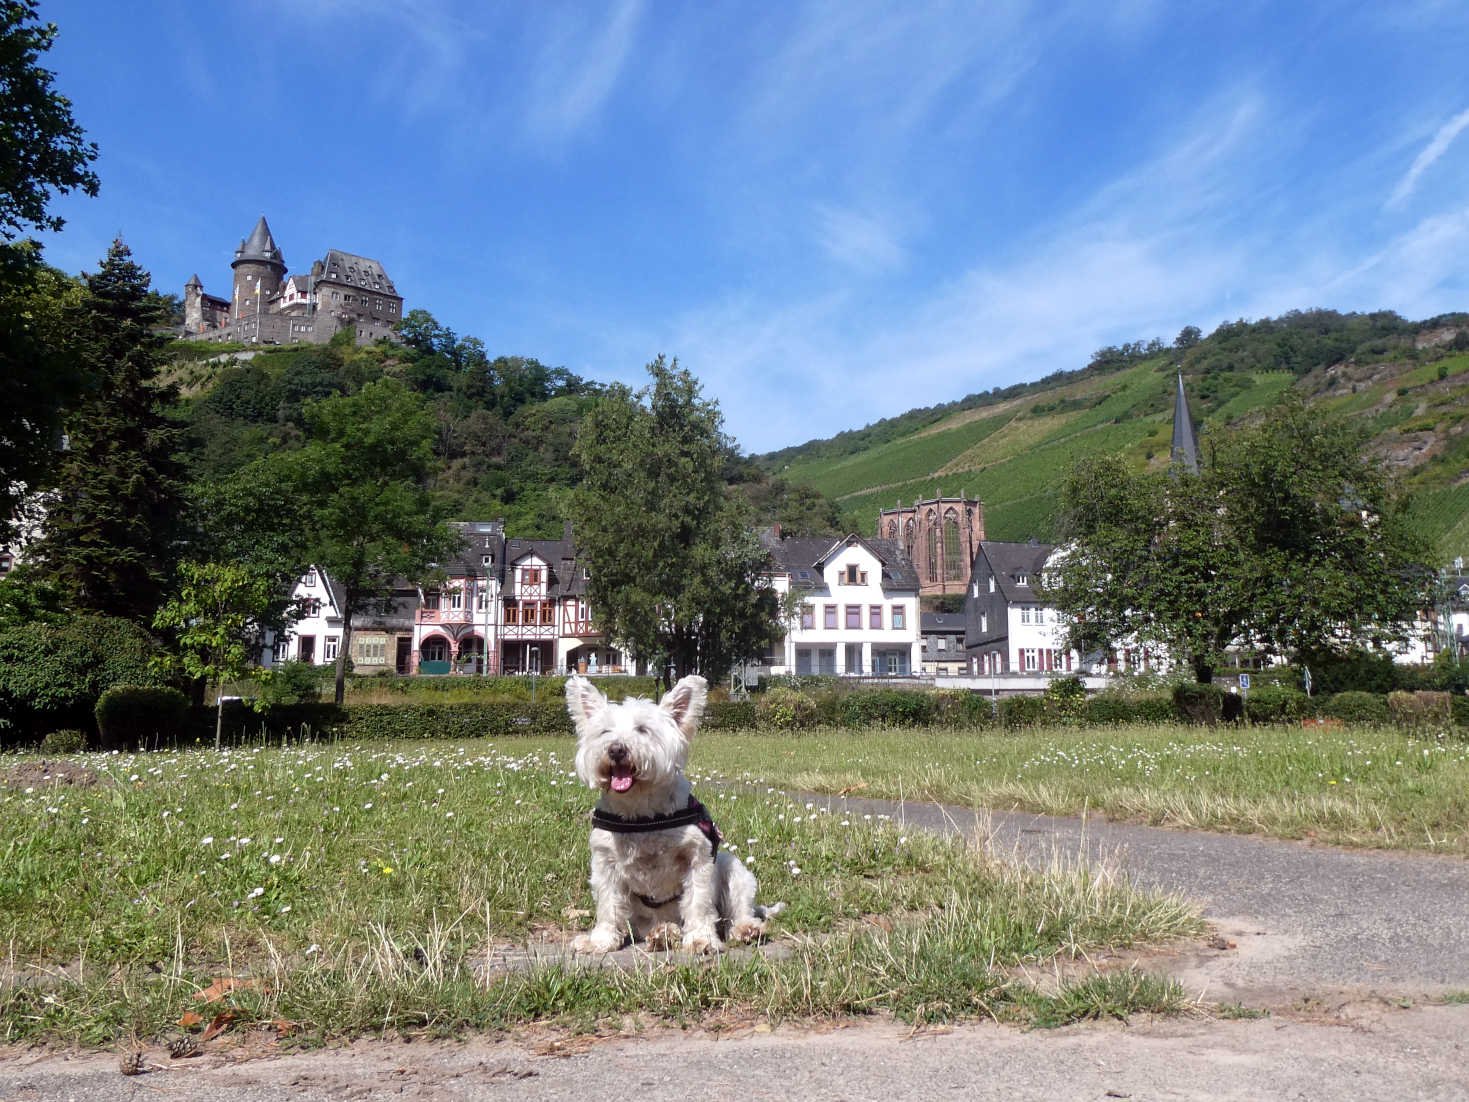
<point>577,68</point>
<point>1431,153</point>
<point>856,240</point>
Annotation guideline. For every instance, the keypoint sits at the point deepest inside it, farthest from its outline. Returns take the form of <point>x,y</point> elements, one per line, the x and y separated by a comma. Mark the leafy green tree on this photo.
<point>676,571</point>
<point>216,617</point>
<point>113,511</point>
<point>359,487</point>
<point>1290,541</point>
<point>44,150</point>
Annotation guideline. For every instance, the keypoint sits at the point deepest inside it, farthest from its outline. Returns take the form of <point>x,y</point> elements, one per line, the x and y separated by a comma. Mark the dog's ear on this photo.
<point>583,700</point>
<point>685,703</point>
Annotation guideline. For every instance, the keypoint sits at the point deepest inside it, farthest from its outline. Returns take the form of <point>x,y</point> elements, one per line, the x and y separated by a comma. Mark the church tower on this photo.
<point>1185,448</point>
<point>257,264</point>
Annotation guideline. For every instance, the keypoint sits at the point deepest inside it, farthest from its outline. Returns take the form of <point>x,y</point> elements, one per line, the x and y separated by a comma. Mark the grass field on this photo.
<point>349,889</point>
<point>1353,786</point>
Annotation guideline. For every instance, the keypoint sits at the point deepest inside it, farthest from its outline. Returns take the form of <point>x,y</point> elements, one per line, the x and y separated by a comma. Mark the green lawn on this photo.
<point>362,888</point>
<point>1353,786</point>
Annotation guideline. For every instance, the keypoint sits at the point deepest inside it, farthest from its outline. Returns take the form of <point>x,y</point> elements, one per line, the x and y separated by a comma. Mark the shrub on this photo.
<point>1356,671</point>
<point>66,741</point>
<point>294,683</point>
<point>1357,707</point>
<point>1022,711</point>
<point>963,708</point>
<point>730,715</point>
<point>887,708</point>
<point>1198,703</point>
<point>1277,704</point>
<point>1459,705</point>
<point>1110,708</point>
<point>52,675</point>
<point>130,716</point>
<point>786,709</point>
<point>1066,700</point>
<point>1425,709</point>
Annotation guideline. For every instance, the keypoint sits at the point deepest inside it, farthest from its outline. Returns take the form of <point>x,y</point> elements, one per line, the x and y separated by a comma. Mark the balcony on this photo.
<point>449,616</point>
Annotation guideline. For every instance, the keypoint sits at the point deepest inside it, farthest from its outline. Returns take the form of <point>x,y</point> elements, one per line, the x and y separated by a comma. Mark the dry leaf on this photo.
<point>221,1022</point>
<point>852,788</point>
<point>190,1020</point>
<point>223,985</point>
<point>282,1026</point>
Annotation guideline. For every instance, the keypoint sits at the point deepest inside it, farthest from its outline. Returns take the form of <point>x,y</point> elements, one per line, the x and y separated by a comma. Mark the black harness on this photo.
<point>693,814</point>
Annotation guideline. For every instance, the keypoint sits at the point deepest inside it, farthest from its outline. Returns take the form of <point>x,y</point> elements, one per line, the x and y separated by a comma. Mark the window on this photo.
<point>456,598</point>
<point>992,583</point>
<point>1025,614</point>
<point>953,551</point>
<point>512,612</point>
<point>853,658</point>
<point>309,581</point>
<point>282,649</point>
<point>481,595</point>
<point>1022,578</point>
<point>431,601</point>
<point>329,648</point>
<point>874,617</point>
<point>942,642</point>
<point>530,575</point>
<point>313,607</point>
<point>548,612</point>
<point>984,622</point>
<point>854,617</point>
<point>1029,659</point>
<point>808,617</point>
<point>853,576</point>
<point>899,621</point>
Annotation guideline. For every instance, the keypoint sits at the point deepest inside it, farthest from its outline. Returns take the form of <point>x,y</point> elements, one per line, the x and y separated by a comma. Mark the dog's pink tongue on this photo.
<point>621,778</point>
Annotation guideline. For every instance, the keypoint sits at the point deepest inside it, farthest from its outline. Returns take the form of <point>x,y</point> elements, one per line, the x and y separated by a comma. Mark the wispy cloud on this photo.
<point>577,68</point>
<point>859,241</point>
<point>1431,153</point>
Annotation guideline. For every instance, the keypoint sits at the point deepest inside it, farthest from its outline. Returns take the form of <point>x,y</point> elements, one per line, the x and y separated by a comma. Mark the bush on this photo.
<point>1356,671</point>
<point>615,687</point>
<point>1357,707</point>
<point>1066,700</point>
<point>1198,703</point>
<point>963,708</point>
<point>1420,709</point>
<point>52,675</point>
<point>130,716</point>
<point>887,708</point>
<point>295,683</point>
<point>1277,704</point>
<point>1021,711</point>
<point>1459,705</point>
<point>786,709</point>
<point>66,741</point>
<point>730,715</point>
<point>1110,708</point>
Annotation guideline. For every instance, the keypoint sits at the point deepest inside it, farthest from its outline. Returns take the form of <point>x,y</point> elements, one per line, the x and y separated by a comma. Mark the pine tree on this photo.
<point>113,512</point>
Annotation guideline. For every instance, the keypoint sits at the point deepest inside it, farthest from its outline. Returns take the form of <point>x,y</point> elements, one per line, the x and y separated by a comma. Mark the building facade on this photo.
<point>939,536</point>
<point>858,606</point>
<point>341,291</point>
<point>943,644</point>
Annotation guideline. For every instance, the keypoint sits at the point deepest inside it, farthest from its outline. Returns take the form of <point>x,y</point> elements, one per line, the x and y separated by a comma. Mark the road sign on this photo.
<point>1244,682</point>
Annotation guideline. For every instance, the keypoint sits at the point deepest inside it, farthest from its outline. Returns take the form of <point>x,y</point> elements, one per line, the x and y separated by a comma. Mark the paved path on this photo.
<point>1306,918</point>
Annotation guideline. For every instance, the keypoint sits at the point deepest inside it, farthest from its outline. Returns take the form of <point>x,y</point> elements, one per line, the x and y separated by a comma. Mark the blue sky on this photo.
<point>830,212</point>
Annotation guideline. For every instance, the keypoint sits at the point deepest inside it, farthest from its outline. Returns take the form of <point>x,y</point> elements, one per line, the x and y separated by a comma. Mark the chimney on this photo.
<point>775,528</point>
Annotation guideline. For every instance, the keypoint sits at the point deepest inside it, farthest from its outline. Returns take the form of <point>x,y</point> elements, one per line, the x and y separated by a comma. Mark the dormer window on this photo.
<point>851,575</point>
<point>1022,579</point>
<point>487,560</point>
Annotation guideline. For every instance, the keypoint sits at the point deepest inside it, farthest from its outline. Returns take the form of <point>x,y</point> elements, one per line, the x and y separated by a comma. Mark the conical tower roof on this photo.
<point>260,246</point>
<point>1185,449</point>
<point>194,282</point>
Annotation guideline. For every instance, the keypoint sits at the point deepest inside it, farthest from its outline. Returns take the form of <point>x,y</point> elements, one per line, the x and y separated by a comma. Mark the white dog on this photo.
<point>656,863</point>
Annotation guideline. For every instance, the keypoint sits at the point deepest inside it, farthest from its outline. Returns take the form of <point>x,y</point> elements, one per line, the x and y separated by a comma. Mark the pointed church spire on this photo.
<point>1185,448</point>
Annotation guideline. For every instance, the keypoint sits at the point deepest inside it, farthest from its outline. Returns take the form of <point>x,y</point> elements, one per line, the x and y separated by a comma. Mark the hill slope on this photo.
<point>1406,382</point>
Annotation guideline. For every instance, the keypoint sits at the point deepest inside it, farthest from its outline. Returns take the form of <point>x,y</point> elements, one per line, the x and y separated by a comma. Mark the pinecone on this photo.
<point>133,1063</point>
<point>180,1047</point>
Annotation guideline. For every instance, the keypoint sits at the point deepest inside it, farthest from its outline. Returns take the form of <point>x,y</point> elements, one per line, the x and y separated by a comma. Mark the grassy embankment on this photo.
<point>357,889</point>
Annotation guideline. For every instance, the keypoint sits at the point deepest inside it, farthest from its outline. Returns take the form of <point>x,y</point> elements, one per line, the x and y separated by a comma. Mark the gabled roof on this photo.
<point>355,271</point>
<point>1006,560</point>
<point>941,623</point>
<point>803,558</point>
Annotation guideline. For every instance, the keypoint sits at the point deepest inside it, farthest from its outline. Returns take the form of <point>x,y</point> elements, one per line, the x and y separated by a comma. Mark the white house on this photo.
<point>316,636</point>
<point>858,610</point>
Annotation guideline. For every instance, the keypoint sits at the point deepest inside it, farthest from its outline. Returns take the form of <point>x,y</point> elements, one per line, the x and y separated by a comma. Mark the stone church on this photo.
<point>940,537</point>
<point>267,306</point>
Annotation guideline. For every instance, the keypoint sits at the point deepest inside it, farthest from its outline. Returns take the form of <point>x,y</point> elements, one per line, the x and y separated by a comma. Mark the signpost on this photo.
<point>1244,682</point>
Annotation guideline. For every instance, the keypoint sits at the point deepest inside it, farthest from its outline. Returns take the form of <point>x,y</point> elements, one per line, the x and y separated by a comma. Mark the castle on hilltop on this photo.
<point>341,291</point>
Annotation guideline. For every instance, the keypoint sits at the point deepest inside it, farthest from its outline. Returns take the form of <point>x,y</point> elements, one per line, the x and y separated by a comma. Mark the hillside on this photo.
<point>1406,382</point>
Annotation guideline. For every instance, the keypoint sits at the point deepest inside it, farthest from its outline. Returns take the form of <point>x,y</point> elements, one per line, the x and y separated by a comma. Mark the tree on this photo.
<point>113,511</point>
<point>44,150</point>
<point>367,519</point>
<point>676,573</point>
<point>1290,541</point>
<point>216,616</point>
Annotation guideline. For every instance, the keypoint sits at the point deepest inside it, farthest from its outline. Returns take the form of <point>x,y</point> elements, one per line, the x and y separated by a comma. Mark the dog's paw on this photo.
<point>702,941</point>
<point>598,941</point>
<point>749,930</point>
<point>665,935</point>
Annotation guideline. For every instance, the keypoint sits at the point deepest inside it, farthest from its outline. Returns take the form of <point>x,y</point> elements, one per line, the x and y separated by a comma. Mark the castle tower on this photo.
<point>258,263</point>
<point>194,305</point>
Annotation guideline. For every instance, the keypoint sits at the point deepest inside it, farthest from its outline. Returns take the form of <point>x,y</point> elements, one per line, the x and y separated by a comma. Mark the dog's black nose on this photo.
<point>617,753</point>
